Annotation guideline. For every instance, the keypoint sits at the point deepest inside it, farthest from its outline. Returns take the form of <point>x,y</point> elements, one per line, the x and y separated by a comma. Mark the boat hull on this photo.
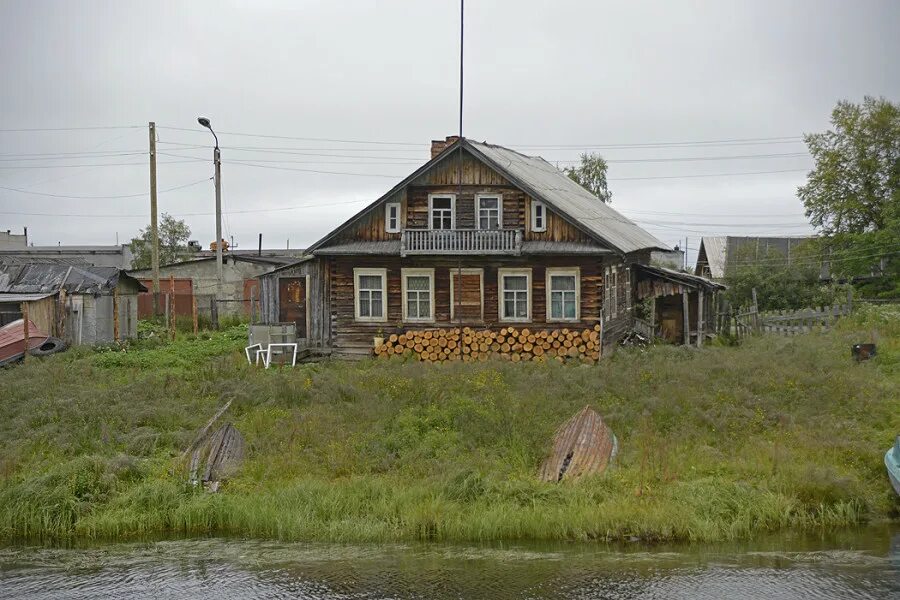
<point>12,340</point>
<point>892,462</point>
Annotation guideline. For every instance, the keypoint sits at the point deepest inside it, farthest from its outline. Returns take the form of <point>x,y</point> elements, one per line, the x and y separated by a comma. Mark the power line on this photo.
<point>82,153</point>
<point>308,139</point>
<point>199,214</point>
<point>247,164</point>
<point>168,162</point>
<point>97,155</point>
<point>140,195</point>
<point>36,129</point>
<point>702,158</point>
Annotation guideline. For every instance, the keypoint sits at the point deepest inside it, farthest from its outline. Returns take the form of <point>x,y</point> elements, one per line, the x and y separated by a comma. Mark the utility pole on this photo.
<point>154,226</point>
<point>217,159</point>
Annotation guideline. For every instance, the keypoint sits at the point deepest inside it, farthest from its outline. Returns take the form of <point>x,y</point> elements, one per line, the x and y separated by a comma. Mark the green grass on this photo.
<point>718,443</point>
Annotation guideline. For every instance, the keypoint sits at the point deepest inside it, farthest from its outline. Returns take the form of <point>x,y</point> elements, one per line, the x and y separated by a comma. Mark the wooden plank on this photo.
<point>687,324</point>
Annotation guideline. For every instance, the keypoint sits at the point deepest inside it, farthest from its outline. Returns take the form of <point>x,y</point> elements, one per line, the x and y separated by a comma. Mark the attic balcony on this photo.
<point>460,241</point>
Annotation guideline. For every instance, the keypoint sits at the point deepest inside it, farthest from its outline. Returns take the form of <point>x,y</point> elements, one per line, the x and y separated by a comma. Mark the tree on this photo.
<point>591,175</point>
<point>853,193</point>
<point>781,282</point>
<point>173,237</point>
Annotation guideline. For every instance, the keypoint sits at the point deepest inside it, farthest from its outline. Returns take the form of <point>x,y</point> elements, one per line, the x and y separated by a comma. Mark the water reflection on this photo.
<point>861,564</point>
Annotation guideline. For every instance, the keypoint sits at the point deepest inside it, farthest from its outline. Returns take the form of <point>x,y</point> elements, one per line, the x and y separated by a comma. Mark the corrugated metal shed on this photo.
<point>547,183</point>
<point>47,278</point>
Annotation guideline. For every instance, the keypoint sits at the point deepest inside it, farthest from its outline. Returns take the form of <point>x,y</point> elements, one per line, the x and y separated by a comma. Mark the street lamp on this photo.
<point>217,161</point>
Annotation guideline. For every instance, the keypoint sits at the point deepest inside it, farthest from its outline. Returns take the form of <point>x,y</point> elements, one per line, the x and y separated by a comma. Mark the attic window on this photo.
<point>441,211</point>
<point>392,217</point>
<point>538,216</point>
<point>489,211</point>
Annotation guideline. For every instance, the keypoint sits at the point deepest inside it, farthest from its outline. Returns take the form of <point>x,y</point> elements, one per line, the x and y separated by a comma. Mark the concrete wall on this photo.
<point>90,319</point>
<point>203,275</point>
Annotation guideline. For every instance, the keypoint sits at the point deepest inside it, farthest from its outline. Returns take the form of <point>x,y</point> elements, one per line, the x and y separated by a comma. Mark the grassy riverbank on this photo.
<point>718,443</point>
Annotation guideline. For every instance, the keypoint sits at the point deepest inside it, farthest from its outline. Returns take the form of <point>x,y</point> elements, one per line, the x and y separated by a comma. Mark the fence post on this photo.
<point>700,322</point>
<point>26,326</point>
<point>194,311</point>
<point>687,318</point>
<point>214,313</point>
<point>116,314</point>
<point>167,311</point>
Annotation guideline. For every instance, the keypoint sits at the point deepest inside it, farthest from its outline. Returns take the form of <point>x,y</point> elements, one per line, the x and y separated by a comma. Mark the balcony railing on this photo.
<point>460,241</point>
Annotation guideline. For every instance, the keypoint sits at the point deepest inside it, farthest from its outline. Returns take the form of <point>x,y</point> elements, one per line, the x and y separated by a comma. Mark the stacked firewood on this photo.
<point>509,343</point>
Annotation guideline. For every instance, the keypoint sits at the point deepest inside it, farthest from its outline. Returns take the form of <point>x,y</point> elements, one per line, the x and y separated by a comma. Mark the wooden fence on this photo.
<point>749,320</point>
<point>805,320</point>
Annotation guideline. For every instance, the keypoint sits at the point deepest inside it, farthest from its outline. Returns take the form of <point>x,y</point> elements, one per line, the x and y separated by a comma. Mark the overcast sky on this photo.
<point>548,78</point>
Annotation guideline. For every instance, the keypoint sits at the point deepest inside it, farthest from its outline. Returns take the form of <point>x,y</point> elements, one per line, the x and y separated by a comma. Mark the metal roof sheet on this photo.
<point>545,247</point>
<point>694,281</point>
<point>47,278</point>
<point>547,183</point>
<point>391,247</point>
<point>24,297</point>
<point>714,247</point>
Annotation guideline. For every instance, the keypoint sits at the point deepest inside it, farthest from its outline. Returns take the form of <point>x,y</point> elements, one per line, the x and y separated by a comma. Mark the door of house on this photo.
<point>292,302</point>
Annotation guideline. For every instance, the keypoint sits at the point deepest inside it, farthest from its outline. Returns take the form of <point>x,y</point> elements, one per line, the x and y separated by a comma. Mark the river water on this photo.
<point>862,563</point>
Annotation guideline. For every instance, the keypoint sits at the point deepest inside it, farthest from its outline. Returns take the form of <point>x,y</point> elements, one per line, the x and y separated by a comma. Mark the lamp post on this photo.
<point>217,161</point>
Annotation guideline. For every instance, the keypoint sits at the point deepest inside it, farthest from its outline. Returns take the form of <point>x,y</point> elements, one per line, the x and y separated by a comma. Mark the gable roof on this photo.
<point>75,279</point>
<point>713,248</point>
<point>543,182</point>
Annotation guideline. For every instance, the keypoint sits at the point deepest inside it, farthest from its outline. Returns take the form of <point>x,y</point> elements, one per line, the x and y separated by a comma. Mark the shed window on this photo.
<point>538,216</point>
<point>441,211</point>
<point>563,294</point>
<point>489,210</point>
<point>418,294</point>
<point>371,300</point>
<point>515,294</point>
<point>392,217</point>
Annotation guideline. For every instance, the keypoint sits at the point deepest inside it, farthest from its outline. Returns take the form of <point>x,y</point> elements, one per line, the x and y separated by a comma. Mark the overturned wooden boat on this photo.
<point>584,445</point>
<point>892,462</point>
<point>217,458</point>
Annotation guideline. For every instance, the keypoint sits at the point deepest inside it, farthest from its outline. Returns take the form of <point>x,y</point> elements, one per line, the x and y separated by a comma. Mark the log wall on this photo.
<point>352,336</point>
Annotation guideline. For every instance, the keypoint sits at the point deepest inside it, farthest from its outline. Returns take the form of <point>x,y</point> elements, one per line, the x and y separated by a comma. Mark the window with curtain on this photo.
<point>563,296</point>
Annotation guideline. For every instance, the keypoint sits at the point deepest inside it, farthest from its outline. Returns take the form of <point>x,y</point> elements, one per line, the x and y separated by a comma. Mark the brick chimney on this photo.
<point>438,146</point>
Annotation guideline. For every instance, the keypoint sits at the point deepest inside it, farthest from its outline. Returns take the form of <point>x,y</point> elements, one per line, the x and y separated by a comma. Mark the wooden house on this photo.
<point>480,236</point>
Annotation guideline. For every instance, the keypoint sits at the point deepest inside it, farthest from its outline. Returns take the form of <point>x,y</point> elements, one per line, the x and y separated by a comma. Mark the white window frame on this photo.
<point>387,217</point>
<point>572,271</point>
<point>431,198</point>
<point>615,292</point>
<point>478,199</point>
<point>357,272</point>
<point>606,300</point>
<point>453,272</point>
<point>501,273</point>
<point>627,290</point>
<point>534,225</point>
<point>429,273</point>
